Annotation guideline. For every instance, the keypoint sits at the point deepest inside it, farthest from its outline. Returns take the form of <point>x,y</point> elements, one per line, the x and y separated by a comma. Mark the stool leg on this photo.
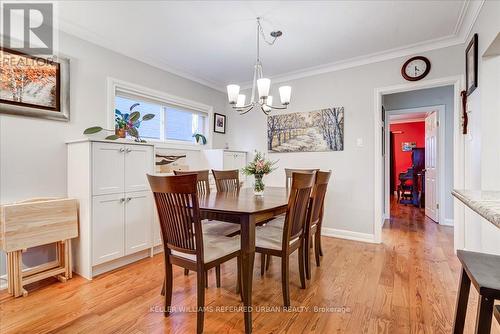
<point>461,307</point>
<point>484,314</point>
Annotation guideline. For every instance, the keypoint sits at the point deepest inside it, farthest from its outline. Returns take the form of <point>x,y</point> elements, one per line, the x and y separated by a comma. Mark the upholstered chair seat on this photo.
<point>271,238</point>
<point>218,228</point>
<point>214,247</point>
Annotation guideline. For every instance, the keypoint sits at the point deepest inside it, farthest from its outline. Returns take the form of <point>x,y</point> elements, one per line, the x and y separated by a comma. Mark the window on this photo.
<point>171,122</point>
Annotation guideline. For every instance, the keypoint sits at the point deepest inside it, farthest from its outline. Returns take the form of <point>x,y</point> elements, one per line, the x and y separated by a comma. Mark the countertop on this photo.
<point>485,203</point>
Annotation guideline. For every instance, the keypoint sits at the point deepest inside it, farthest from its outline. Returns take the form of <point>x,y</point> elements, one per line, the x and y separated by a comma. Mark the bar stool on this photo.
<point>483,270</point>
<point>497,313</point>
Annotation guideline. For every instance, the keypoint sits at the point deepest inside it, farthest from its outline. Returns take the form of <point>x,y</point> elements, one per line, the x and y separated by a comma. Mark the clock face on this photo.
<point>416,68</point>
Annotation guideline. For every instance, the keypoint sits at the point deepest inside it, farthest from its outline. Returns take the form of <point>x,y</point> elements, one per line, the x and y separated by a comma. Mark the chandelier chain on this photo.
<point>261,31</point>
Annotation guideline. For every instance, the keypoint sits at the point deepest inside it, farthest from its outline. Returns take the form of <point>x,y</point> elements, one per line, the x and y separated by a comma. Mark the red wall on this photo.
<point>412,132</point>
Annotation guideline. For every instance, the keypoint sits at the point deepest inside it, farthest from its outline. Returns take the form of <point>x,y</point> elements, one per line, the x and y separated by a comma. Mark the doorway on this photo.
<point>414,163</point>
<point>454,169</point>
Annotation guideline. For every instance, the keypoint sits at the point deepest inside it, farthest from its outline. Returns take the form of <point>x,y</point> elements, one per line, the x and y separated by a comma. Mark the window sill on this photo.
<point>178,145</point>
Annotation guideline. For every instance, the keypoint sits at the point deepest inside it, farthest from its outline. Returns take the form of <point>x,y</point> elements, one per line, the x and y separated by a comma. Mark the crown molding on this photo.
<point>371,58</point>
<point>468,15</point>
<point>76,30</point>
<point>466,20</point>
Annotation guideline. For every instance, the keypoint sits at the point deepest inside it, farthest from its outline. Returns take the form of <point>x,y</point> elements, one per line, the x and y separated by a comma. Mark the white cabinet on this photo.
<point>109,172</point>
<point>116,204</point>
<point>234,160</point>
<point>224,159</point>
<point>137,165</point>
<point>138,221</point>
<point>108,233</point>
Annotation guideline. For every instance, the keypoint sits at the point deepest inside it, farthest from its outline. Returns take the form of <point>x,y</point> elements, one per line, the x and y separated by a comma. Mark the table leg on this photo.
<point>10,282</point>
<point>247,260</point>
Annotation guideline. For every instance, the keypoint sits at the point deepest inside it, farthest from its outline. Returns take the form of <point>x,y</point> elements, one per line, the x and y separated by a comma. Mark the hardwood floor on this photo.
<point>405,285</point>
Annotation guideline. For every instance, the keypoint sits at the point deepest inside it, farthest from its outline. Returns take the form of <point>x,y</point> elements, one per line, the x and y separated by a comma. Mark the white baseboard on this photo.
<point>3,282</point>
<point>349,235</point>
<point>121,262</point>
<point>447,222</point>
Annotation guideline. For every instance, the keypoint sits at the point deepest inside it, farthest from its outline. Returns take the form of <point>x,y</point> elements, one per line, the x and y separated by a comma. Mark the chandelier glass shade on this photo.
<point>261,85</point>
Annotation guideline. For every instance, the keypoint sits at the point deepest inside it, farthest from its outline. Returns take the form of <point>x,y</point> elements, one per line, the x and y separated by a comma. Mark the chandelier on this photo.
<point>260,88</point>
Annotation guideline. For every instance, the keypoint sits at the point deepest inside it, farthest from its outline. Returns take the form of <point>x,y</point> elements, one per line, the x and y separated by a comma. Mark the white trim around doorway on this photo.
<point>458,149</point>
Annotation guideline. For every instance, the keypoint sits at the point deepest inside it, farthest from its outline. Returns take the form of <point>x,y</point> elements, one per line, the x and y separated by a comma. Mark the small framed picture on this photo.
<point>471,65</point>
<point>219,123</point>
<point>408,146</point>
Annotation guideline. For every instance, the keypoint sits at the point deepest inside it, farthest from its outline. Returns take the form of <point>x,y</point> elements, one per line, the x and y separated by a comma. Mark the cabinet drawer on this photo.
<point>108,170</point>
<point>108,228</point>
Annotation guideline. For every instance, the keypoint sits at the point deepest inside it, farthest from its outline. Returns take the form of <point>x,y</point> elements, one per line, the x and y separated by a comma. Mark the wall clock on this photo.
<point>416,68</point>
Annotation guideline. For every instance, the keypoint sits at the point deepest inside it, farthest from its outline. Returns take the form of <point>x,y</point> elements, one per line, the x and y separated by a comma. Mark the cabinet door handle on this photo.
<point>128,150</point>
<point>129,199</point>
<point>122,200</point>
<point>122,150</point>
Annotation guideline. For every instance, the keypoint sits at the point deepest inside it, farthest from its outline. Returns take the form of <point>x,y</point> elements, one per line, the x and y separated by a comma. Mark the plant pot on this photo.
<point>121,133</point>
<point>258,186</point>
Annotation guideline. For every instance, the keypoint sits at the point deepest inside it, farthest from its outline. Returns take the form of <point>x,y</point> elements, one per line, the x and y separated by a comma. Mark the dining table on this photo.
<point>245,208</point>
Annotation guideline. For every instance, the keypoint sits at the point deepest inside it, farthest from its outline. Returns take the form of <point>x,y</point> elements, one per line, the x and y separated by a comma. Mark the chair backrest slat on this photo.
<point>318,196</point>
<point>178,210</point>
<point>226,180</point>
<point>290,171</point>
<point>300,192</point>
<point>202,182</point>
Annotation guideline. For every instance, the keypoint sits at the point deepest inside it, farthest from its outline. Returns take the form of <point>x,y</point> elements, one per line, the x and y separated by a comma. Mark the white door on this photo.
<point>108,171</point>
<point>107,228</point>
<point>138,221</point>
<point>138,162</point>
<point>431,153</point>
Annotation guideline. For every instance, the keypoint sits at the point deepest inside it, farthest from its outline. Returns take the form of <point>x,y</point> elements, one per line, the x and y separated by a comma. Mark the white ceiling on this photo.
<point>213,42</point>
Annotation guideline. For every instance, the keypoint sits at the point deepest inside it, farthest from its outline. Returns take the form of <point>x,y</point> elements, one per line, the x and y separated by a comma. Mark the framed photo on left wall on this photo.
<point>471,65</point>
<point>219,123</point>
<point>34,86</point>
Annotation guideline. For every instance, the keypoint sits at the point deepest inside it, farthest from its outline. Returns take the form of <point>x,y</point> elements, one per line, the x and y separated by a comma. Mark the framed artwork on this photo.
<point>168,161</point>
<point>408,146</point>
<point>34,86</point>
<point>471,65</point>
<point>311,131</point>
<point>219,123</point>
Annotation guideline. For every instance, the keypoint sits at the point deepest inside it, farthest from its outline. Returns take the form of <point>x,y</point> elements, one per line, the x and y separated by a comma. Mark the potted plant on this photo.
<point>125,123</point>
<point>259,167</point>
<point>200,139</point>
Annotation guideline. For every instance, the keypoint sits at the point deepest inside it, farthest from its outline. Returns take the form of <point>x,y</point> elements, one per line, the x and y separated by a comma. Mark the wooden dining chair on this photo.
<point>226,180</point>
<point>283,242</point>
<point>212,227</point>
<point>315,219</point>
<point>290,171</point>
<point>202,182</point>
<point>184,243</point>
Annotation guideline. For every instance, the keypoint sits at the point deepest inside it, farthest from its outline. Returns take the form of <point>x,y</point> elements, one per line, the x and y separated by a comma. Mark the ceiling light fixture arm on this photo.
<point>260,86</point>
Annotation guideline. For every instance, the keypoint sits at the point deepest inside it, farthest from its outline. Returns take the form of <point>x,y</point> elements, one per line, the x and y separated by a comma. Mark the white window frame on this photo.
<point>115,85</point>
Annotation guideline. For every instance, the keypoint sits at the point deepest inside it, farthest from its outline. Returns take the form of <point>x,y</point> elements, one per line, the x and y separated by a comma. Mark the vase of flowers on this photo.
<point>259,167</point>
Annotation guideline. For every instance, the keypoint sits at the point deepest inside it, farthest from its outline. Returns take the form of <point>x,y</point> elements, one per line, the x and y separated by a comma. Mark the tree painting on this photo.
<point>313,131</point>
<point>30,81</point>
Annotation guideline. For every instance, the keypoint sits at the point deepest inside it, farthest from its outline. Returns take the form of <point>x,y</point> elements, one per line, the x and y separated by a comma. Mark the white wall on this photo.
<point>432,97</point>
<point>33,151</point>
<point>482,157</point>
<point>349,206</point>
